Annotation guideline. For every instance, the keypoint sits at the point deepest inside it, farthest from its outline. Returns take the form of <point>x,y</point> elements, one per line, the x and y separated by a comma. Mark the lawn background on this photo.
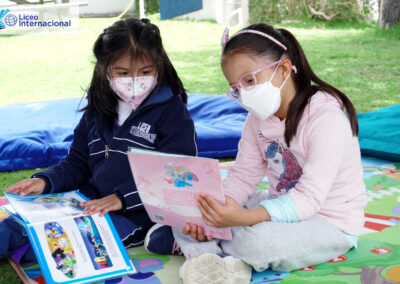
<point>357,58</point>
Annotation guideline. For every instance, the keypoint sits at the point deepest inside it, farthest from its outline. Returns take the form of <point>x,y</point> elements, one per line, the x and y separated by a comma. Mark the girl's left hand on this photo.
<point>102,205</point>
<point>217,215</point>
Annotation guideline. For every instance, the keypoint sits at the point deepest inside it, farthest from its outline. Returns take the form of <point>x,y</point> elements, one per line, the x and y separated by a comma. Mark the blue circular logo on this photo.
<point>11,20</point>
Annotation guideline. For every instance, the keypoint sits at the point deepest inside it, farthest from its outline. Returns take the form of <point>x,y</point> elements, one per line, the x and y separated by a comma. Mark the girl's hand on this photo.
<point>230,214</point>
<point>196,232</point>
<point>102,205</point>
<point>28,187</point>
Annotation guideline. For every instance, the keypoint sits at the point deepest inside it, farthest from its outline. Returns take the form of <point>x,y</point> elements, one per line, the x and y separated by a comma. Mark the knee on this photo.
<point>11,235</point>
<point>10,228</point>
<point>244,242</point>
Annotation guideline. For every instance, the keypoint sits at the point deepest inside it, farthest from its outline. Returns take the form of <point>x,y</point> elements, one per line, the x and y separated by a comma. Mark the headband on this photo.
<point>225,37</point>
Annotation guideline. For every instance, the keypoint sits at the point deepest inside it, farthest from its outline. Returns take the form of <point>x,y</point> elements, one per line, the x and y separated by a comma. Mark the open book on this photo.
<point>70,247</point>
<point>168,185</point>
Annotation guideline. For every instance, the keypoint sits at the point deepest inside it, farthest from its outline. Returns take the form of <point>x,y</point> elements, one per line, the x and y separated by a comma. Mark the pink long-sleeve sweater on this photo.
<point>321,170</point>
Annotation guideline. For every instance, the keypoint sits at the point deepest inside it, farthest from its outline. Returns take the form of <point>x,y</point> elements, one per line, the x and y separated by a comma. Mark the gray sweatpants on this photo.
<point>279,246</point>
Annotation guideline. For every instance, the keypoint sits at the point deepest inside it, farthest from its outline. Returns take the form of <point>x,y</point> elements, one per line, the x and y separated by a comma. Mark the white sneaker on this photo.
<point>210,268</point>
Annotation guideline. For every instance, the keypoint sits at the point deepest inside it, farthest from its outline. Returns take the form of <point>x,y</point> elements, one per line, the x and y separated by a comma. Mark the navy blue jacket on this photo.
<point>97,162</point>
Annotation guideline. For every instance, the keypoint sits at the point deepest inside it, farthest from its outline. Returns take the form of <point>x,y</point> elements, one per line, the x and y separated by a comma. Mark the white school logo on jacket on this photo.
<point>143,131</point>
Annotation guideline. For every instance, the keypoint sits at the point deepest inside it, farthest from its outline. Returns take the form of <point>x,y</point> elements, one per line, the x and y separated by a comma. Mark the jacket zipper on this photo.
<point>106,151</point>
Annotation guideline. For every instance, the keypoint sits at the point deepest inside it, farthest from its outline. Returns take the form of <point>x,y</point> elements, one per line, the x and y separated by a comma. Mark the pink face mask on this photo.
<point>133,90</point>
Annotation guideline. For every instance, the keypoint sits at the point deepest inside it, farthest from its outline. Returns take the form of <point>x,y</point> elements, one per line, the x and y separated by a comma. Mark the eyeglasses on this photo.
<point>247,82</point>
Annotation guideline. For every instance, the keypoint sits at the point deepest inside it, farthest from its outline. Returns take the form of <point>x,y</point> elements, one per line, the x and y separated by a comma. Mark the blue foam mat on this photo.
<point>36,135</point>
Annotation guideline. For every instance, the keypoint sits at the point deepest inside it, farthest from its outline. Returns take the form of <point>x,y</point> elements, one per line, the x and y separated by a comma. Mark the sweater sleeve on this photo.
<point>73,170</point>
<point>281,209</point>
<point>327,138</point>
<point>129,196</point>
<point>249,168</point>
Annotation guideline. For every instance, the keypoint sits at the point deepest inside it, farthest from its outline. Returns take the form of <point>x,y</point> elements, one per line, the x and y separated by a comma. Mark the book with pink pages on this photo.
<point>168,185</point>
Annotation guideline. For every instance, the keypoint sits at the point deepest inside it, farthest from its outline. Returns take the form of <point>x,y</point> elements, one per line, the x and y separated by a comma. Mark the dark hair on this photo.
<point>303,79</point>
<point>139,39</point>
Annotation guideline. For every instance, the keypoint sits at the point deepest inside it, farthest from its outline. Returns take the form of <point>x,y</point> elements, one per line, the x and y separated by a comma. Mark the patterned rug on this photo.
<point>376,260</point>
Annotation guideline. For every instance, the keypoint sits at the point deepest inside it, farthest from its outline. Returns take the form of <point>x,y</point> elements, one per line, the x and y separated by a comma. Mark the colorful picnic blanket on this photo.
<point>376,260</point>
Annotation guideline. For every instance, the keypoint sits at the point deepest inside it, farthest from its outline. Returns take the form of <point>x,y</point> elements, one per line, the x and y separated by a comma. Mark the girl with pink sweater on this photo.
<point>297,132</point>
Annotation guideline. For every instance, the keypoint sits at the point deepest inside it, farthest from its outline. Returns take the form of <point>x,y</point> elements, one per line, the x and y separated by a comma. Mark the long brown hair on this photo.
<point>138,38</point>
<point>305,80</point>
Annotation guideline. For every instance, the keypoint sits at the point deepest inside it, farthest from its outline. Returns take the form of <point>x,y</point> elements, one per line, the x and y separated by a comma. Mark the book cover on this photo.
<point>168,185</point>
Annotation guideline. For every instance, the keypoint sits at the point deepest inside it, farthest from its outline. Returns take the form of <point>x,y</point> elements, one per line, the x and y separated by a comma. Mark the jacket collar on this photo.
<point>159,95</point>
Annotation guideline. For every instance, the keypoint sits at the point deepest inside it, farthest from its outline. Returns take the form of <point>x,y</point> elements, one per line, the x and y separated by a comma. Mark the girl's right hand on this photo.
<point>196,232</point>
<point>28,187</point>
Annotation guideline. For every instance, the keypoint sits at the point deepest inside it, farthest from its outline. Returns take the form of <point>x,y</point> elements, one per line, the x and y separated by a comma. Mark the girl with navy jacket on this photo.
<point>135,99</point>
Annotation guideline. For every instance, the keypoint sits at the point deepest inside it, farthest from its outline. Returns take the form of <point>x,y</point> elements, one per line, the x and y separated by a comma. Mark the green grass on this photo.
<point>357,58</point>
<point>361,61</point>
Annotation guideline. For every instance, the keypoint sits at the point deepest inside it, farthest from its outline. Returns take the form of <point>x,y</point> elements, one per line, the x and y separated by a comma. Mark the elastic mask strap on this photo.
<point>285,81</point>
<point>273,74</point>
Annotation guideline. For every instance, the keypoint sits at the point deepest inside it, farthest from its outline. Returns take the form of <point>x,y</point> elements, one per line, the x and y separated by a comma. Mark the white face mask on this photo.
<point>263,100</point>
